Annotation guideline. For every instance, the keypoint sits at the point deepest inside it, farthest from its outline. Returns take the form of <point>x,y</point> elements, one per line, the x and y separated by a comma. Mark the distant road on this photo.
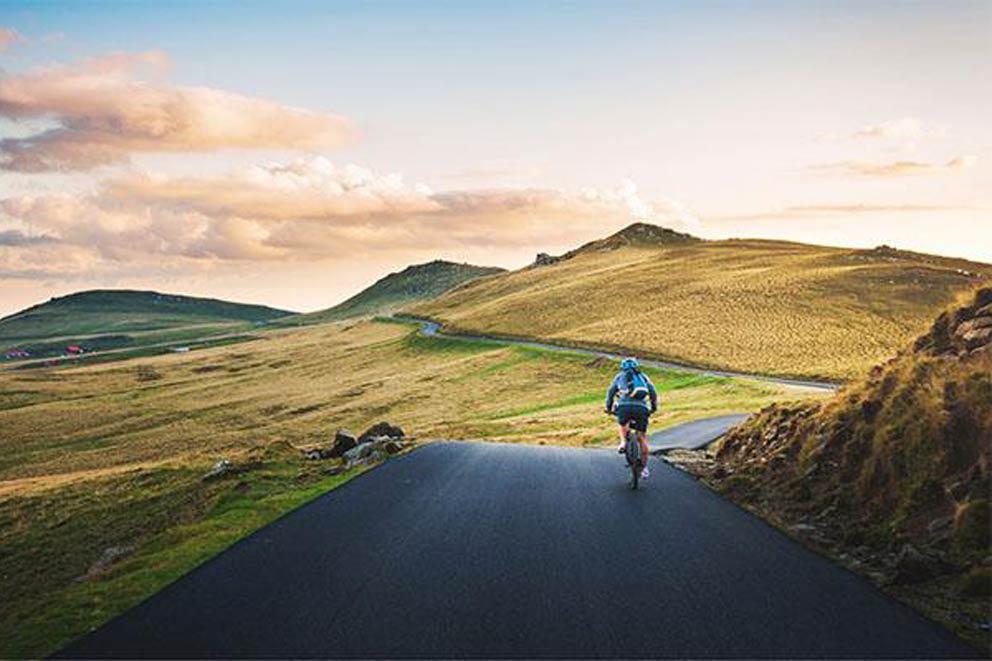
<point>486,550</point>
<point>694,435</point>
<point>430,328</point>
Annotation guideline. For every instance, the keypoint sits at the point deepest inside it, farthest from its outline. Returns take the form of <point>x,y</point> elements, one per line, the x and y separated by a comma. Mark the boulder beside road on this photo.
<point>344,440</point>
<point>375,443</point>
<point>379,430</point>
<point>373,450</point>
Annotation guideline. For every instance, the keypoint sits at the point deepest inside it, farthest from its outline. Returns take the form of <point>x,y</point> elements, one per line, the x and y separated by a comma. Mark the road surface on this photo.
<point>431,328</point>
<point>482,550</point>
<point>693,435</point>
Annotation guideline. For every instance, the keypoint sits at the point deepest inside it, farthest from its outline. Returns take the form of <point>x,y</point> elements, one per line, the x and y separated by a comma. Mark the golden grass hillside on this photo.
<point>756,306</point>
<point>113,455</point>
<point>893,474</point>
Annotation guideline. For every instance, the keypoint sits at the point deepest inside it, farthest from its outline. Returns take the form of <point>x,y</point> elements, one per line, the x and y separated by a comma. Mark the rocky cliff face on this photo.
<point>892,475</point>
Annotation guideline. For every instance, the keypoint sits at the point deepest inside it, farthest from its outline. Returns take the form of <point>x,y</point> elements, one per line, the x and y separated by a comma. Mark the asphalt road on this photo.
<point>431,328</point>
<point>693,435</point>
<point>484,550</point>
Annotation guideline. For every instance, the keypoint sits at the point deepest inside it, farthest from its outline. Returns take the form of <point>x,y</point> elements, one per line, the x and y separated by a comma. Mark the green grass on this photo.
<point>575,400</point>
<point>232,508</point>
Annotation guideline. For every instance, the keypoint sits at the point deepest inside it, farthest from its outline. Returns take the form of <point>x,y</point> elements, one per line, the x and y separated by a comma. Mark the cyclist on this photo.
<point>637,400</point>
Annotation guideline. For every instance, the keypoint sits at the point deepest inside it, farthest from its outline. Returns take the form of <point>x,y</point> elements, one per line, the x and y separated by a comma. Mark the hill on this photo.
<point>415,283</point>
<point>109,318</point>
<point>892,475</point>
<point>636,235</point>
<point>761,306</point>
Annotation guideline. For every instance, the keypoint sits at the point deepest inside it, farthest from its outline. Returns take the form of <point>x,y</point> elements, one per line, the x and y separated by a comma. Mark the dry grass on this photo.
<point>112,454</point>
<point>756,306</point>
<point>901,456</point>
<point>298,386</point>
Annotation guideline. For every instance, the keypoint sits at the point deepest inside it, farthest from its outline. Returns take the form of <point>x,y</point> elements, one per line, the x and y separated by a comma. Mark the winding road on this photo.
<point>693,435</point>
<point>488,550</point>
<point>430,328</point>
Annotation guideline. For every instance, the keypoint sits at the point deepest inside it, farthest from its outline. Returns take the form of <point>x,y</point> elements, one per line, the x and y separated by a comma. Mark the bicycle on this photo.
<point>632,454</point>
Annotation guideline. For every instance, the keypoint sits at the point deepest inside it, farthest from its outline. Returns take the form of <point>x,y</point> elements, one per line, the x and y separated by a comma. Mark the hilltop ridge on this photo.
<point>635,235</point>
<point>415,283</point>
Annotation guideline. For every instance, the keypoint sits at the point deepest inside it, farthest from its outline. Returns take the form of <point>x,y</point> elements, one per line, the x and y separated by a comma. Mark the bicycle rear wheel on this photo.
<point>634,460</point>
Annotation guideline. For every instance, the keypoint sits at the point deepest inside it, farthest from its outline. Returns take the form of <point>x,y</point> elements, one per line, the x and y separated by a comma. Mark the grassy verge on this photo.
<point>174,522</point>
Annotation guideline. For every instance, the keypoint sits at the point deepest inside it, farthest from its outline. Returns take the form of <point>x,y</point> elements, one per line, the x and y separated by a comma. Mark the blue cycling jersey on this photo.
<point>620,387</point>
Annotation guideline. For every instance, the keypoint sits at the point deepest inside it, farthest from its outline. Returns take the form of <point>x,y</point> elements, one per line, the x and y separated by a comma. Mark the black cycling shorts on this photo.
<point>635,414</point>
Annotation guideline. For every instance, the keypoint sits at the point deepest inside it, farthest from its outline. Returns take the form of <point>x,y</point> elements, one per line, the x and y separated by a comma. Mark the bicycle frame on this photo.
<point>632,452</point>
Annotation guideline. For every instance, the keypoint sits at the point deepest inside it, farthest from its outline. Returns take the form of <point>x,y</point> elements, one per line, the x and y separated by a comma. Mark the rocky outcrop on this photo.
<point>344,440</point>
<point>219,469</point>
<point>376,443</point>
<point>544,259</point>
<point>381,429</point>
<point>962,331</point>
<point>636,235</point>
<point>373,450</point>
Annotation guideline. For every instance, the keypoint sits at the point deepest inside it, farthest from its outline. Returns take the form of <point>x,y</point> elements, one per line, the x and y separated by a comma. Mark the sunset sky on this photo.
<point>290,153</point>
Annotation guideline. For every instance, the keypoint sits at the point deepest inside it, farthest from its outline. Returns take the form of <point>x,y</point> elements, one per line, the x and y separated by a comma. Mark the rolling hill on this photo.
<point>892,474</point>
<point>415,283</point>
<point>761,306</point>
<point>107,318</point>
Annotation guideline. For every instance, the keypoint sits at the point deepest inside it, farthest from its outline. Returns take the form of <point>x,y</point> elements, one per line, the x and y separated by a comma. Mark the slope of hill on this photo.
<point>113,310</point>
<point>415,283</point>
<point>893,474</point>
<point>111,319</point>
<point>761,306</point>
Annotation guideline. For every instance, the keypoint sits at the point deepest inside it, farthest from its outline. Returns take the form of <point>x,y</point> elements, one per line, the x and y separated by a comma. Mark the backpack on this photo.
<point>637,385</point>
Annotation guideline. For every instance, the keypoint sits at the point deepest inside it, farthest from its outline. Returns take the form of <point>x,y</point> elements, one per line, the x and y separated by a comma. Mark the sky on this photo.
<point>291,153</point>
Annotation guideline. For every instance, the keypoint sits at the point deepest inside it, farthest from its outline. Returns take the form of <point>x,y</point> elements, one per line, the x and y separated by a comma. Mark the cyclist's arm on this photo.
<point>653,394</point>
<point>610,395</point>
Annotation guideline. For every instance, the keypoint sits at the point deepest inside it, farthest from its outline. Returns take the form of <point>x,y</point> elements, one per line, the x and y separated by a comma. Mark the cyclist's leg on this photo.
<point>623,434</point>
<point>642,437</point>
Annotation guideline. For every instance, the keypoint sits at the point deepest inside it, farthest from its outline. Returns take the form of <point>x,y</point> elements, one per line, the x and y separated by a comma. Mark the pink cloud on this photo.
<point>106,108</point>
<point>310,209</point>
<point>896,168</point>
<point>8,36</point>
<point>905,128</point>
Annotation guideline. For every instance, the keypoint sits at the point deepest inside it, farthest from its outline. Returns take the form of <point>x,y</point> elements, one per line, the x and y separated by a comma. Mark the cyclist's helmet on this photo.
<point>629,364</point>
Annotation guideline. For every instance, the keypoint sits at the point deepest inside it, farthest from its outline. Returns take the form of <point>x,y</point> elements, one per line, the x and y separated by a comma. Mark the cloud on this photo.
<point>104,109</point>
<point>895,168</point>
<point>8,37</point>
<point>835,210</point>
<point>311,209</point>
<point>906,128</point>
<point>19,238</point>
